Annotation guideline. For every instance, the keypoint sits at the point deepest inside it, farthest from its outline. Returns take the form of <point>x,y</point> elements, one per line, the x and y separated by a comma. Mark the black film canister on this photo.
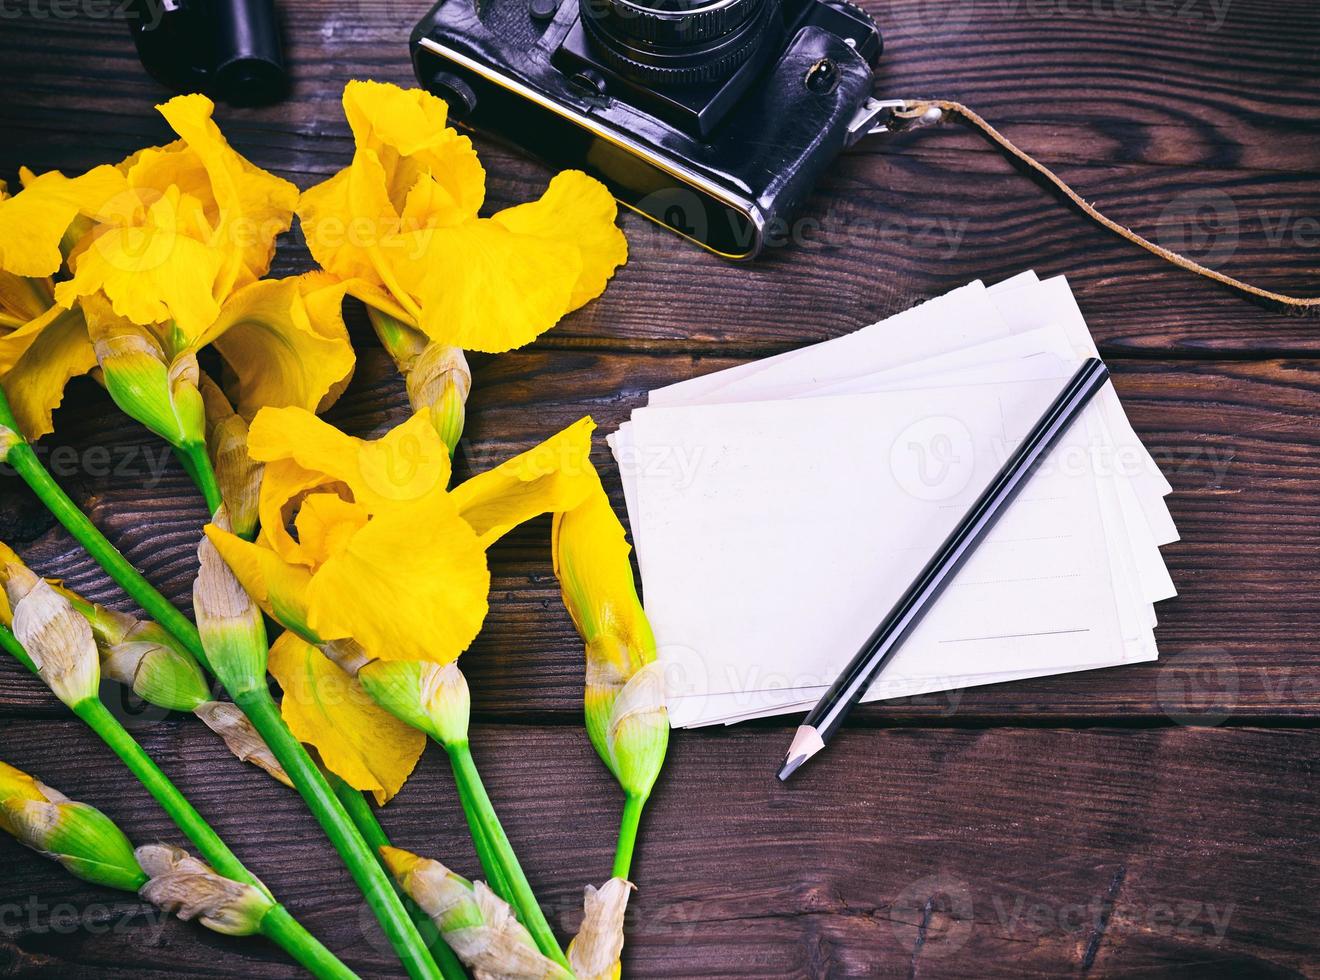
<point>249,58</point>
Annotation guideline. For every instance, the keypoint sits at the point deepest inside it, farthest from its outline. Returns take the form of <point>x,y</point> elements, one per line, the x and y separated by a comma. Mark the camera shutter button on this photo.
<point>543,9</point>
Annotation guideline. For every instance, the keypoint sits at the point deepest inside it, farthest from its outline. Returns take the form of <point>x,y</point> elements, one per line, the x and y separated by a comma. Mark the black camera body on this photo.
<point>711,117</point>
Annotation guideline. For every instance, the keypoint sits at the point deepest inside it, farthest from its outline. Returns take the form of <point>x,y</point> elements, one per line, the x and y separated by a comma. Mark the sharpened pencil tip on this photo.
<point>790,766</point>
<point>806,743</point>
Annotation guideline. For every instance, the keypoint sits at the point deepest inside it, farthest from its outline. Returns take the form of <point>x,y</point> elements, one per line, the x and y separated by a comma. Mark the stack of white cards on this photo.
<point>779,508</point>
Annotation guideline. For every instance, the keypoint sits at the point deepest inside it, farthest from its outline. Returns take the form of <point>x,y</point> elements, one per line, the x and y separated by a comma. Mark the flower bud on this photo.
<point>427,696</point>
<point>78,836</point>
<point>594,953</point>
<point>476,923</point>
<point>158,672</point>
<point>626,717</point>
<point>186,887</point>
<point>637,730</point>
<point>437,377</point>
<point>227,721</point>
<point>56,638</point>
<point>161,395</point>
<point>238,474</point>
<point>233,632</point>
<point>440,379</point>
<point>145,658</point>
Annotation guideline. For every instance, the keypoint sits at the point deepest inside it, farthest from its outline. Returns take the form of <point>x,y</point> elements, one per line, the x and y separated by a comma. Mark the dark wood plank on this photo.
<point>1005,853</point>
<point>1237,440</point>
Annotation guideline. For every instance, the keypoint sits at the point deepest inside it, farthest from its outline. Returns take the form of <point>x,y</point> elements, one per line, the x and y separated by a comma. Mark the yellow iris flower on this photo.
<point>183,227</point>
<point>361,541</point>
<point>159,256</point>
<point>399,225</point>
<point>42,346</point>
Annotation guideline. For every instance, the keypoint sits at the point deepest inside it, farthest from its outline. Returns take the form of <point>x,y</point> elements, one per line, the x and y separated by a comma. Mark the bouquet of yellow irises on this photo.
<point>360,551</point>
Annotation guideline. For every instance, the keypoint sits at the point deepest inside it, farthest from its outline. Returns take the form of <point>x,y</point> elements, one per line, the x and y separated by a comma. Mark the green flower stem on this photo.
<point>278,925</point>
<point>364,866</point>
<point>490,864</point>
<point>213,850</point>
<point>623,851</point>
<point>281,928</point>
<point>15,649</point>
<point>364,818</point>
<point>35,475</point>
<point>479,810</point>
<point>197,462</point>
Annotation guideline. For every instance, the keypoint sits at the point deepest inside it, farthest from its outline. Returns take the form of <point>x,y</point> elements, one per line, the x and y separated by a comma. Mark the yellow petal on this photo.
<point>378,298</point>
<point>334,237</point>
<point>284,486</point>
<point>555,476</point>
<point>280,588</point>
<point>432,174</point>
<point>280,355</point>
<point>157,271</point>
<point>483,287</point>
<point>38,360</point>
<point>33,221</point>
<point>596,577</point>
<point>254,206</point>
<point>579,212</point>
<point>23,299</point>
<point>326,522</point>
<point>358,741</point>
<point>407,463</point>
<point>150,170</point>
<point>411,585</point>
<point>409,171</point>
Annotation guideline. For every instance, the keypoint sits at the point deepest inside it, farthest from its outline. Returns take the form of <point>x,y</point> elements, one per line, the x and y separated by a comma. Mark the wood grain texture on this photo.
<point>1158,820</point>
<point>1012,852</point>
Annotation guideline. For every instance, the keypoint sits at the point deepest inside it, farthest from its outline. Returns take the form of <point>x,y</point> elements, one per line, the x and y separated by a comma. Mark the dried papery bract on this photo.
<point>238,474</point>
<point>230,623</point>
<point>240,737</point>
<point>595,951</point>
<point>476,923</point>
<point>184,886</point>
<point>58,640</point>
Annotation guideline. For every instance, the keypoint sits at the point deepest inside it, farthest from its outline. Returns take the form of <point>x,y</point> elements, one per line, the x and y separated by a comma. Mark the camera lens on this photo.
<point>678,42</point>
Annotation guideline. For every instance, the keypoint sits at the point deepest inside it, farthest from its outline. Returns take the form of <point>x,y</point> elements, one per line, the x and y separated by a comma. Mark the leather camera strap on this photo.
<point>928,111</point>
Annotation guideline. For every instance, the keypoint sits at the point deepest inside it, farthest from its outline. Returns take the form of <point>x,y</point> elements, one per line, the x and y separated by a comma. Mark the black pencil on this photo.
<point>828,714</point>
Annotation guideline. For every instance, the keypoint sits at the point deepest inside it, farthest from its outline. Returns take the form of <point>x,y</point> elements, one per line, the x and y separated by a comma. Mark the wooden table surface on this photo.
<point>1155,820</point>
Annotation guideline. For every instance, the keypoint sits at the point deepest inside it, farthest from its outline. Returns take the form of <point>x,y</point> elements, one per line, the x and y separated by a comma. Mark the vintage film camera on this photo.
<point>711,117</point>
